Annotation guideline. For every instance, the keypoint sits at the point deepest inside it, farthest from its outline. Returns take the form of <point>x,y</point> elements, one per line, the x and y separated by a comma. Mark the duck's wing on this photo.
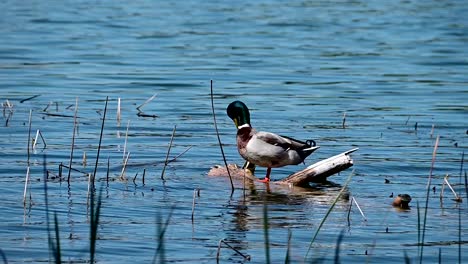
<point>281,141</point>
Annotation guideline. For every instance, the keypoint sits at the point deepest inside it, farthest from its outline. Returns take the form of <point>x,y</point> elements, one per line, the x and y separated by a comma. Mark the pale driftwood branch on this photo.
<point>317,172</point>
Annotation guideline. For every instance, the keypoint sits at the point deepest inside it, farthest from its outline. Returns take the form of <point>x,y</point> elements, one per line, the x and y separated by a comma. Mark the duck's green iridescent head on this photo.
<point>239,113</point>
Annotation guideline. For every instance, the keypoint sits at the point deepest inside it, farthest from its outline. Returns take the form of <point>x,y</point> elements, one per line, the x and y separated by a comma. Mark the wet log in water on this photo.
<point>317,172</point>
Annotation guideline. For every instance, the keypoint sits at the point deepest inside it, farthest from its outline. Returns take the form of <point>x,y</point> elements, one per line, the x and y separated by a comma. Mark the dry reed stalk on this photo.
<point>29,136</point>
<point>118,111</point>
<point>108,170</point>
<point>26,184</point>
<point>73,142</point>
<point>39,134</point>
<point>143,177</point>
<point>218,253</point>
<point>344,121</point>
<point>134,179</point>
<point>457,197</point>
<point>193,203</point>
<point>124,167</point>
<point>125,144</point>
<point>168,151</point>
<point>359,208</point>
<point>219,138</point>
<point>29,98</point>
<point>85,160</point>
<point>178,156</point>
<point>146,102</point>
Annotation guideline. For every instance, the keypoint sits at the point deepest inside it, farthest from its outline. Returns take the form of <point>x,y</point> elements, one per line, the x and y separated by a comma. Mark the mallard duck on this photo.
<point>266,149</point>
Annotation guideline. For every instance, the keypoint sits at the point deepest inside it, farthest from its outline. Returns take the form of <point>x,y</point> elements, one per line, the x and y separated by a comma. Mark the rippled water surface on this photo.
<point>397,71</point>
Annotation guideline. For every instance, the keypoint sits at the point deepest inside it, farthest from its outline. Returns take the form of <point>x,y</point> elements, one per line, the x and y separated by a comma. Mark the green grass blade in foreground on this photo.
<point>95,213</point>
<point>161,231</point>
<point>57,253</point>
<point>265,232</point>
<point>428,190</point>
<point>328,212</point>
<point>337,248</point>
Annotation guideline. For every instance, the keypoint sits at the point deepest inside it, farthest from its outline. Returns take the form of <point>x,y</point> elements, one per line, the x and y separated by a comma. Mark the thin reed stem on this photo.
<point>73,142</point>
<point>100,140</point>
<point>428,188</point>
<point>328,212</point>
<point>168,151</point>
<point>219,139</point>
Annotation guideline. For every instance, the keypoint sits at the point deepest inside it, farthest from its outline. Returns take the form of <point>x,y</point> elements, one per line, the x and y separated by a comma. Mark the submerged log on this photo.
<point>317,172</point>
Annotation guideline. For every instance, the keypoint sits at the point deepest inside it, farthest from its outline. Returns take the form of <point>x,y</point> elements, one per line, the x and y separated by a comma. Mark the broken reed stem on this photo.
<point>118,111</point>
<point>147,101</point>
<point>246,257</point>
<point>359,208</point>
<point>108,170</point>
<point>457,197</point>
<point>73,142</point>
<point>29,135</point>
<point>168,151</point>
<point>26,184</point>
<point>134,178</point>
<point>344,121</point>
<point>143,177</point>
<point>178,156</point>
<point>193,202</point>
<point>428,187</point>
<point>125,144</point>
<point>219,139</point>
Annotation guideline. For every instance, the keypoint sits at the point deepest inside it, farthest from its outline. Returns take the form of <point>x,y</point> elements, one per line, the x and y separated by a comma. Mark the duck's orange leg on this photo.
<point>267,176</point>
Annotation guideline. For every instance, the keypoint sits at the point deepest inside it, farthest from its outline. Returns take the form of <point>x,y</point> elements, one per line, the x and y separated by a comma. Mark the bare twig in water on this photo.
<point>178,156</point>
<point>29,98</point>
<point>146,102</point>
<point>134,178</point>
<point>140,112</point>
<point>457,197</point>
<point>167,154</point>
<point>143,177</point>
<point>85,160</point>
<point>73,141</point>
<point>428,187</point>
<point>344,121</point>
<point>38,133</point>
<point>222,241</point>
<point>26,184</point>
<point>359,208</point>
<point>219,139</point>
<point>29,135</point>
<point>193,202</point>
<point>118,111</point>
<point>9,106</point>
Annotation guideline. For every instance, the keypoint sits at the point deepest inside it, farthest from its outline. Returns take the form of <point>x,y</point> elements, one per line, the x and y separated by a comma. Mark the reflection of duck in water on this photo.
<point>266,149</point>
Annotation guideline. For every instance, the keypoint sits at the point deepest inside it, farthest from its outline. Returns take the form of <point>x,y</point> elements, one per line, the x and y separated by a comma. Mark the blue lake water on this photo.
<point>398,69</point>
